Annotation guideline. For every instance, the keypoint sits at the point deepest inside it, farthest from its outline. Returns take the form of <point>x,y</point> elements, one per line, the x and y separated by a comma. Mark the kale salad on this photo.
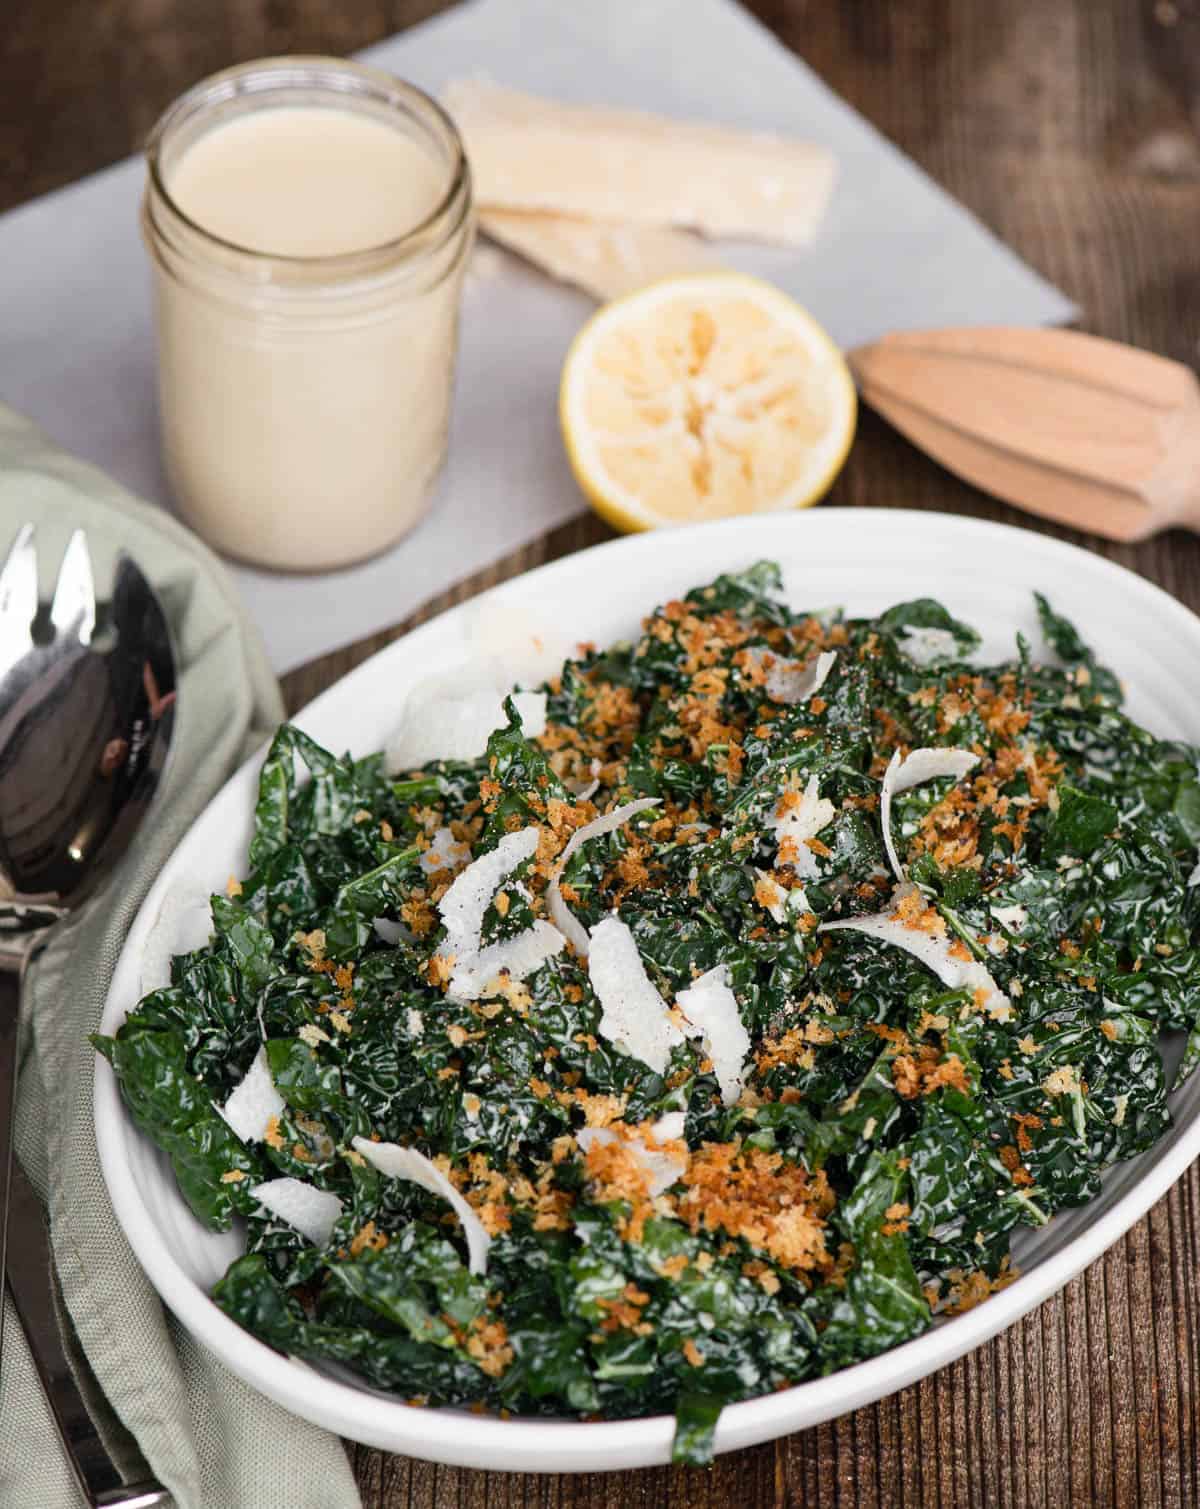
<point>712,1029</point>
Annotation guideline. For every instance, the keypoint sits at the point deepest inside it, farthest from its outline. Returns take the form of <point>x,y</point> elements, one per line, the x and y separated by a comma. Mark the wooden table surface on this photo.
<point>1070,127</point>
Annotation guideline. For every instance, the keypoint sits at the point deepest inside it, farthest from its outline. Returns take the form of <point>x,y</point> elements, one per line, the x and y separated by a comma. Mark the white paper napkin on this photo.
<point>77,348</point>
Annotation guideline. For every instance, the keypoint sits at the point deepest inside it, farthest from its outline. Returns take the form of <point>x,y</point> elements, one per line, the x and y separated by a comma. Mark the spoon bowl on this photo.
<point>86,716</point>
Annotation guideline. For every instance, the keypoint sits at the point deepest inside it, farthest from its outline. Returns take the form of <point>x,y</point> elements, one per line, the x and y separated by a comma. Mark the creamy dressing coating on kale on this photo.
<point>891,1133</point>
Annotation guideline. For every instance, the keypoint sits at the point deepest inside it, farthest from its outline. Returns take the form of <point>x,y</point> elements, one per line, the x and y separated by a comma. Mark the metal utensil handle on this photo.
<point>11,976</point>
<point>60,1363</point>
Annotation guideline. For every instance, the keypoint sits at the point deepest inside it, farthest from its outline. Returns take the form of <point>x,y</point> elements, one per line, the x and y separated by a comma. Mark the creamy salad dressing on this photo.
<point>306,181</point>
<point>308,261</point>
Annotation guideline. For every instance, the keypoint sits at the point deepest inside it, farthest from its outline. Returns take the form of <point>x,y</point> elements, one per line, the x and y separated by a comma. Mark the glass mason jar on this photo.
<point>305,400</point>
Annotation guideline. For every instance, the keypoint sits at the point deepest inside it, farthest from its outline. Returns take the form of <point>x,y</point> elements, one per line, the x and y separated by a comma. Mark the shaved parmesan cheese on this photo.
<point>313,1212</point>
<point>443,722</point>
<point>662,1169</point>
<point>463,906</point>
<point>921,765</point>
<point>801,821</point>
<point>415,1022</point>
<point>771,896</point>
<point>445,852</point>
<point>933,950</point>
<point>529,153</point>
<point>398,1162</point>
<point>781,904</point>
<point>250,1107</point>
<point>1013,918</point>
<point>583,791</point>
<point>515,957</point>
<point>711,1007</point>
<point>927,646</point>
<point>563,918</point>
<point>183,924</point>
<point>669,1127</point>
<point>791,683</point>
<point>635,1015</point>
<point>462,910</point>
<point>605,259</point>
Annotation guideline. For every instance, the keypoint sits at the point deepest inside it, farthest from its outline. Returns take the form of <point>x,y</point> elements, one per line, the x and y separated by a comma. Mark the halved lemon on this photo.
<point>702,397</point>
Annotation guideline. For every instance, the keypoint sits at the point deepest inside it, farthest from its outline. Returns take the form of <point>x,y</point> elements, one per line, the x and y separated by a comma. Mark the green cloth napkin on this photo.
<point>211,1440</point>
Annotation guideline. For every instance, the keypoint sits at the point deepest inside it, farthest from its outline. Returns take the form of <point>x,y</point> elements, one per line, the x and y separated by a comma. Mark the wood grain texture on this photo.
<point>1070,127</point>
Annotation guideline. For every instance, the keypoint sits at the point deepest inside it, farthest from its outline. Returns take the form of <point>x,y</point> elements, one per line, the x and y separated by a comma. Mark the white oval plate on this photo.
<point>863,559</point>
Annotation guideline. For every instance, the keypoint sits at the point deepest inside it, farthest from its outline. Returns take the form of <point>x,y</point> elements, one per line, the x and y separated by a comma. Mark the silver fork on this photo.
<point>87,700</point>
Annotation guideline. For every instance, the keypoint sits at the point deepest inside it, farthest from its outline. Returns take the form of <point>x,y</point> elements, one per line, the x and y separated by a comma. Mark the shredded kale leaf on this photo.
<point>887,1133</point>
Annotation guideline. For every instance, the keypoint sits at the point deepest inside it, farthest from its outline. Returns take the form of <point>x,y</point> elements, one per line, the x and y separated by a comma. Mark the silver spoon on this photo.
<point>87,707</point>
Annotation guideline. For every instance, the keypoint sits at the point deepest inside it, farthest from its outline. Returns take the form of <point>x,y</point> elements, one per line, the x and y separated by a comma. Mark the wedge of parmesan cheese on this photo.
<point>711,1008</point>
<point>604,259</point>
<point>253,1103</point>
<point>563,918</point>
<point>634,1016</point>
<point>313,1212</point>
<point>920,766</point>
<point>529,153</point>
<point>398,1162</point>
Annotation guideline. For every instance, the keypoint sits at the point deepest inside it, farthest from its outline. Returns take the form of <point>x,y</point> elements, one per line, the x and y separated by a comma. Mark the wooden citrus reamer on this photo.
<point>1089,432</point>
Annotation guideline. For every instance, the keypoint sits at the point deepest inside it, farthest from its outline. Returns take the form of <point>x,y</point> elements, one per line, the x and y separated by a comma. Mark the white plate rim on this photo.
<point>535,1445</point>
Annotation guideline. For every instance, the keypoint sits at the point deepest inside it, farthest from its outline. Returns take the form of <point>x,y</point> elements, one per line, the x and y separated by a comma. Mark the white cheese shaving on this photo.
<point>776,907</point>
<point>515,957</point>
<point>563,918</point>
<point>927,646</point>
<point>933,950</point>
<point>802,821</point>
<point>634,1014</point>
<point>407,1163</point>
<point>444,722</point>
<point>1013,917</point>
<point>662,1169</point>
<point>791,683</point>
<point>920,766</point>
<point>463,906</point>
<point>253,1102</point>
<point>711,1007</point>
<point>669,1127</point>
<point>313,1212</point>
<point>387,930</point>
<point>783,903</point>
<point>415,1022</point>
<point>183,923</point>
<point>445,852</point>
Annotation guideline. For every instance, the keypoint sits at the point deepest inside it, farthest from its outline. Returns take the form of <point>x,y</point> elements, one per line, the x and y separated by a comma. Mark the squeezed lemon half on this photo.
<point>703,397</point>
